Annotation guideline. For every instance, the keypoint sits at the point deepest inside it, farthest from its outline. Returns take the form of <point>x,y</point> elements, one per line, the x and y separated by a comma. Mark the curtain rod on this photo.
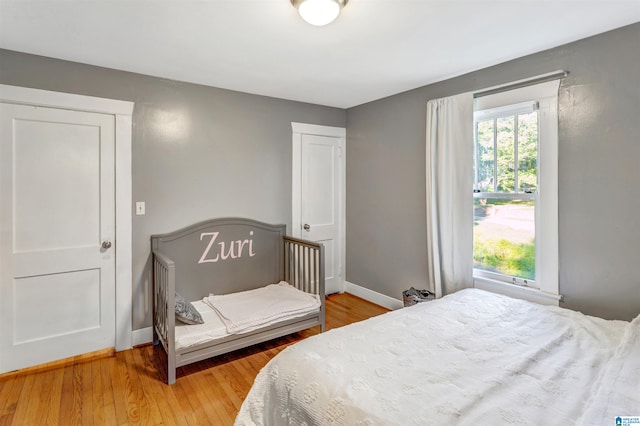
<point>556,75</point>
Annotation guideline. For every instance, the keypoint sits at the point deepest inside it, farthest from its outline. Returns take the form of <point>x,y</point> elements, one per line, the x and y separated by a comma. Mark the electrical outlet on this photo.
<point>140,208</point>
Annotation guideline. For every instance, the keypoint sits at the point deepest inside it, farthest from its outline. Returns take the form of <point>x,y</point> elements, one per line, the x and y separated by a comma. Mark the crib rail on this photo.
<point>164,276</point>
<point>303,267</point>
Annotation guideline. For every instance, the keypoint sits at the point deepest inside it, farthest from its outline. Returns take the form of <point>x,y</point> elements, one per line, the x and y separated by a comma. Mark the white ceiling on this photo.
<point>376,48</point>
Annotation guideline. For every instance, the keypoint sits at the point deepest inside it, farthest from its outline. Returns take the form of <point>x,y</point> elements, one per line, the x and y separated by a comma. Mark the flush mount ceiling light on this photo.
<point>319,12</point>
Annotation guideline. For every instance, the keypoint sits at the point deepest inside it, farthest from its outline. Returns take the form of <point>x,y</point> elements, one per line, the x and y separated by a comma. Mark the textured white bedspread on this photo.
<point>618,393</point>
<point>471,358</point>
<point>248,310</point>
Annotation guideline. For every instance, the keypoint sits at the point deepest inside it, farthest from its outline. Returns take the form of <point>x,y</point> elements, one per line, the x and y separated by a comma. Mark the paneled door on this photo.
<point>57,230</point>
<point>322,198</point>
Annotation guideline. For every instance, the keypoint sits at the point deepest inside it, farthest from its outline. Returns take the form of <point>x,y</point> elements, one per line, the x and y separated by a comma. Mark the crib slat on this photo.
<point>304,268</point>
<point>303,260</point>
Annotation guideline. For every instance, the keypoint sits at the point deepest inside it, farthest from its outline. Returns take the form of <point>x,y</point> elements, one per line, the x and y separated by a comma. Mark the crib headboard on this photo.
<point>222,256</point>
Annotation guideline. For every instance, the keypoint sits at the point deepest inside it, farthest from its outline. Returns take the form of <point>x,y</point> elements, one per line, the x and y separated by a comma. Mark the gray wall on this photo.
<point>198,152</point>
<point>599,175</point>
<point>201,152</point>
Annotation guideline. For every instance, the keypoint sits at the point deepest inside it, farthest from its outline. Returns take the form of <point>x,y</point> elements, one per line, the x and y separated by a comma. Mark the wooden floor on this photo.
<point>128,387</point>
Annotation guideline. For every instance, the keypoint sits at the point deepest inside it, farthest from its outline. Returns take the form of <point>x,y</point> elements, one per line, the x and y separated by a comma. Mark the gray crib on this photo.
<point>227,255</point>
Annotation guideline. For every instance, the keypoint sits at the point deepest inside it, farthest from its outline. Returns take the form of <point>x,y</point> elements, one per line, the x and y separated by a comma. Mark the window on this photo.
<point>505,191</point>
<point>515,188</point>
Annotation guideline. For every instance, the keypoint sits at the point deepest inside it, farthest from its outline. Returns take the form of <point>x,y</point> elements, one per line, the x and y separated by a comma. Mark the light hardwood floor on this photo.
<point>128,388</point>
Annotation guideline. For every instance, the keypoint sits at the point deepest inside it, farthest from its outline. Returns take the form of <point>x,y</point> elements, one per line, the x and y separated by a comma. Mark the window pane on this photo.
<point>484,156</point>
<point>505,157</point>
<point>504,237</point>
<point>528,152</point>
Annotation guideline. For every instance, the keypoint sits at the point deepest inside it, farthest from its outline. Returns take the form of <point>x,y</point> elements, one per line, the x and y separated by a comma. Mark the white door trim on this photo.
<point>122,111</point>
<point>298,129</point>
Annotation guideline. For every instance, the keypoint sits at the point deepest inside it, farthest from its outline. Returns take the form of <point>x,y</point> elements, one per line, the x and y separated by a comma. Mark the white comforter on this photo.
<point>249,310</point>
<point>471,358</point>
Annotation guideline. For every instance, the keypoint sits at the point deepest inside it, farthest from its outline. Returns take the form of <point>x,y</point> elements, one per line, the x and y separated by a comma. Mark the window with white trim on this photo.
<point>515,233</point>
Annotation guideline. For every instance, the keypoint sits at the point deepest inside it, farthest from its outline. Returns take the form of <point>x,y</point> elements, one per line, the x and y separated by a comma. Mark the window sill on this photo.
<point>520,292</point>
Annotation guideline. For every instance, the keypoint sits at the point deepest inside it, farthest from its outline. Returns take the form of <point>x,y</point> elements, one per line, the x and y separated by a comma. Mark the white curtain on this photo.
<point>449,181</point>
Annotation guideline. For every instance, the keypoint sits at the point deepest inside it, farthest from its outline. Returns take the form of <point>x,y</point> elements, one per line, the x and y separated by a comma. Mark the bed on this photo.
<point>472,357</point>
<point>234,264</point>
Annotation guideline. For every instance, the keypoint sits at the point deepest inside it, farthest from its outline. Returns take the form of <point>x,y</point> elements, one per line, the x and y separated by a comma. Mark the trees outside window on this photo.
<point>506,171</point>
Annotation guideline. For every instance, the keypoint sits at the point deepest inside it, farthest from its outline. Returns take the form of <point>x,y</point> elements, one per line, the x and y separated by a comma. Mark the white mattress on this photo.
<point>213,328</point>
<point>246,312</point>
<point>470,358</point>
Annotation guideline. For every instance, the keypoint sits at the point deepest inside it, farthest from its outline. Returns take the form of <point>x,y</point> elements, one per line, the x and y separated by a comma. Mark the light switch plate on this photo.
<point>140,208</point>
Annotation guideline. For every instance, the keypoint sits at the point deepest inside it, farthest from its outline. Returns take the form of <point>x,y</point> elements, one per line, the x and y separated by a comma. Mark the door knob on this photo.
<point>106,244</point>
<point>306,227</point>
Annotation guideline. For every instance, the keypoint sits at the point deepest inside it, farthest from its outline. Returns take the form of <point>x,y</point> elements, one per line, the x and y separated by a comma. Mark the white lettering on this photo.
<point>251,253</point>
<point>241,245</point>
<point>230,253</point>
<point>213,235</point>
<point>234,246</point>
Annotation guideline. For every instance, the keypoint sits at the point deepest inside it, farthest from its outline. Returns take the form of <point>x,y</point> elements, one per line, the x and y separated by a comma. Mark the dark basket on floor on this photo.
<point>413,296</point>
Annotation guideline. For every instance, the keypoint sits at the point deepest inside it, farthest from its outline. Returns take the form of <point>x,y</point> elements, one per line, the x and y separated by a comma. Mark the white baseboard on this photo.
<point>373,296</point>
<point>142,336</point>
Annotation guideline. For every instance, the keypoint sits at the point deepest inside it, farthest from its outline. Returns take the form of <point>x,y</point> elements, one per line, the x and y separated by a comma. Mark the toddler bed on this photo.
<point>247,280</point>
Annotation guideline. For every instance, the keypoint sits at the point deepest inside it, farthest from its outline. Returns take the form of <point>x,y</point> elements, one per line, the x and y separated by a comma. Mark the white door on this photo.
<point>321,199</point>
<point>57,224</point>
